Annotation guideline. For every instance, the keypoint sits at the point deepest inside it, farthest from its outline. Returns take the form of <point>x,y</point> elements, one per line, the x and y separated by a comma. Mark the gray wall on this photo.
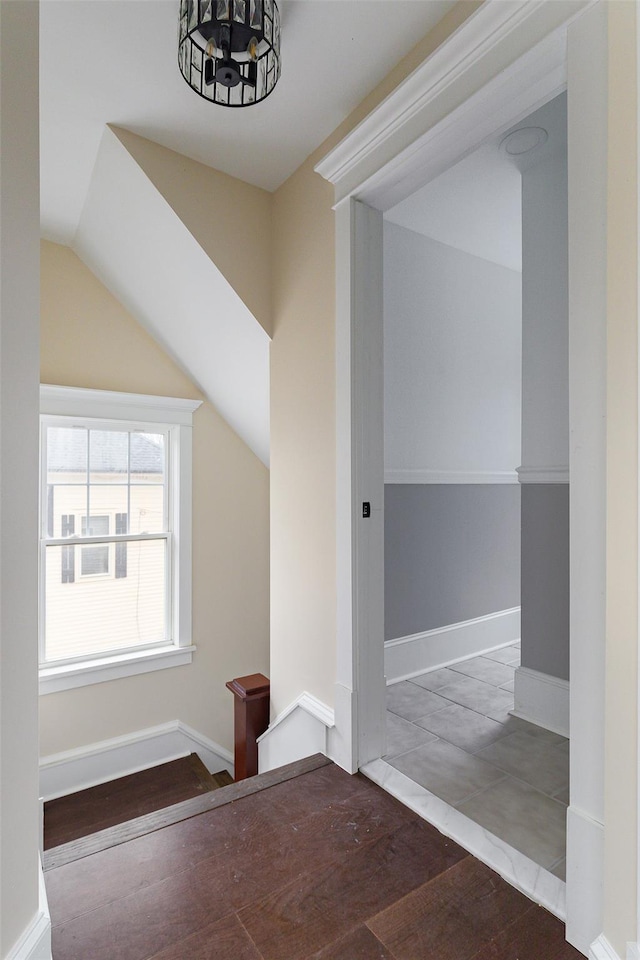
<point>545,400</point>
<point>452,359</point>
<point>452,553</point>
<point>545,578</point>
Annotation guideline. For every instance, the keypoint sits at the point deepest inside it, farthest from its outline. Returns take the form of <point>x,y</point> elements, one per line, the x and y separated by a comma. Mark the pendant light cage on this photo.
<point>229,50</point>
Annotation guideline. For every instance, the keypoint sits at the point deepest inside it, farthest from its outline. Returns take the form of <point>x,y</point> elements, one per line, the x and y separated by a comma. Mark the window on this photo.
<point>115,555</point>
<point>95,560</point>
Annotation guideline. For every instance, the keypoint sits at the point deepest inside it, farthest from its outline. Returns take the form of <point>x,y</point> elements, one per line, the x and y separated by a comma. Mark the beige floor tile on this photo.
<point>435,679</point>
<point>562,796</point>
<point>410,701</point>
<point>403,735</point>
<point>463,727</point>
<point>482,668</point>
<point>505,655</point>
<point>523,817</point>
<point>446,770</point>
<point>531,759</point>
<point>516,725</point>
<point>482,697</point>
<point>559,869</point>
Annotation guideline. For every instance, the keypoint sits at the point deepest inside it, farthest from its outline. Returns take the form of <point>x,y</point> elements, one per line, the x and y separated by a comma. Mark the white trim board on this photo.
<point>407,657</point>
<point>362,160</point>
<point>101,404</point>
<point>450,476</point>
<point>543,474</point>
<point>522,873</point>
<point>541,699</point>
<point>495,70</point>
<point>35,942</point>
<point>87,766</point>
<point>299,731</point>
<point>53,679</point>
<point>601,949</point>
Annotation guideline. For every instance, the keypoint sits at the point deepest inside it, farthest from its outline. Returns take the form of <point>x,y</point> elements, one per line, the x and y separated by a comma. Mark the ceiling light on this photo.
<point>522,141</point>
<point>229,50</point>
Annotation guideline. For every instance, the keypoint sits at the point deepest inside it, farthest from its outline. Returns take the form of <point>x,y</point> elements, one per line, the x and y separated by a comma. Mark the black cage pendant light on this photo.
<point>229,50</point>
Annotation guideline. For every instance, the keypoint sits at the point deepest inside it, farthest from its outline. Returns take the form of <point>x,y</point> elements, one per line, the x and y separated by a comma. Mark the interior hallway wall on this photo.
<point>451,554</point>
<point>452,434</point>
<point>303,430</point>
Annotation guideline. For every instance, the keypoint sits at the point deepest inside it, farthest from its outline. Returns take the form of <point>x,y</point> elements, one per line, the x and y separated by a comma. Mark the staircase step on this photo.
<point>148,823</point>
<point>69,818</point>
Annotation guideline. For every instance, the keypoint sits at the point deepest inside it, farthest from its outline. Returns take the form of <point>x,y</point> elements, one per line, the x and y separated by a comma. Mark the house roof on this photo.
<point>68,449</point>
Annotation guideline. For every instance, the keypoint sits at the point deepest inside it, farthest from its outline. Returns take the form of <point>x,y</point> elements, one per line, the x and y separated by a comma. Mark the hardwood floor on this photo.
<point>97,808</point>
<point>318,866</point>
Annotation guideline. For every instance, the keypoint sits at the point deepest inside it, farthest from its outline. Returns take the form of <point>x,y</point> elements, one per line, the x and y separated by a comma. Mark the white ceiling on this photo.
<point>115,61</point>
<point>476,205</point>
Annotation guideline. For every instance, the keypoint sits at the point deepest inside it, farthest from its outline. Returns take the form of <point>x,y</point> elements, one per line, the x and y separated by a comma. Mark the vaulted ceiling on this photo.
<point>108,72</point>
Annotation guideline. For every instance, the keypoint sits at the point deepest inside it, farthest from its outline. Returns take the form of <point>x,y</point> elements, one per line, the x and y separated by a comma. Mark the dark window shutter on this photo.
<point>68,553</point>
<point>121,548</point>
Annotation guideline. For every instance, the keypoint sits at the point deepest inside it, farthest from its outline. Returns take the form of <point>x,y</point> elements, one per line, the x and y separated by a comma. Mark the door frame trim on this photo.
<point>501,64</point>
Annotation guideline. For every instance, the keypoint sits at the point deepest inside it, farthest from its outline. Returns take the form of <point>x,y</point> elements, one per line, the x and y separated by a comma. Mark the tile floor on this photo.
<point>450,731</point>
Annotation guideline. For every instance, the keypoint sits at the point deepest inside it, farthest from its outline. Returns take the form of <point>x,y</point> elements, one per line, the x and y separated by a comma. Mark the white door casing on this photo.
<point>503,63</point>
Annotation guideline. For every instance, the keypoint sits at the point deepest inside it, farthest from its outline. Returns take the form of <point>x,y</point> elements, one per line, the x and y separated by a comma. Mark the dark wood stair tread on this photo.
<point>77,815</point>
<point>119,833</point>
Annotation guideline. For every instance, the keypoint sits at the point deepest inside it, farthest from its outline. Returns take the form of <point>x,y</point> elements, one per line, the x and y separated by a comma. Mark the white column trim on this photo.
<point>450,476</point>
<point>543,474</point>
<point>35,942</point>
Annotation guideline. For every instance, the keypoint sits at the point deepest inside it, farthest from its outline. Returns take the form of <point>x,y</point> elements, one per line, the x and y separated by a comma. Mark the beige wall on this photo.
<point>303,480</point>
<point>303,577</point>
<point>231,220</point>
<point>621,742</point>
<point>89,340</point>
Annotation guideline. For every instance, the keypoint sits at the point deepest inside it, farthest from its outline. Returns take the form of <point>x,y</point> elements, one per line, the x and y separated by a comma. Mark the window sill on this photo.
<point>54,679</point>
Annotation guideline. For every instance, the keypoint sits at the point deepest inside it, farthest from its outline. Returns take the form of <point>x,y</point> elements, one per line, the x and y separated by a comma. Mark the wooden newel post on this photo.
<point>251,719</point>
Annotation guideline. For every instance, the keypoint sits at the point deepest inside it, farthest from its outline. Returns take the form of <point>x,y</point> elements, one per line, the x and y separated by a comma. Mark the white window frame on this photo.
<point>131,410</point>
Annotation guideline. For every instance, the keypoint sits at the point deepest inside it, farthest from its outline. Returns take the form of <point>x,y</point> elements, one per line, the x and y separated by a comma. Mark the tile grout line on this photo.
<point>507,776</point>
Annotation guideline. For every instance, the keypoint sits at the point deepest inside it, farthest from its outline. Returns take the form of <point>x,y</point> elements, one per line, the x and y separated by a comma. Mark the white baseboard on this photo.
<point>73,770</point>
<point>35,942</point>
<point>585,866</point>
<point>407,657</point>
<point>341,739</point>
<point>542,699</point>
<point>601,949</point>
<point>299,731</point>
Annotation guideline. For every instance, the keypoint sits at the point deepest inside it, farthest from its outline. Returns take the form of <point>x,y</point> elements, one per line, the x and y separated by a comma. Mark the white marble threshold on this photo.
<point>531,879</point>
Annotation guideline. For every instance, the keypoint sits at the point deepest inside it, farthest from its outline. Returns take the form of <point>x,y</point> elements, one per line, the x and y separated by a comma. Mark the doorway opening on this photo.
<point>476,419</point>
